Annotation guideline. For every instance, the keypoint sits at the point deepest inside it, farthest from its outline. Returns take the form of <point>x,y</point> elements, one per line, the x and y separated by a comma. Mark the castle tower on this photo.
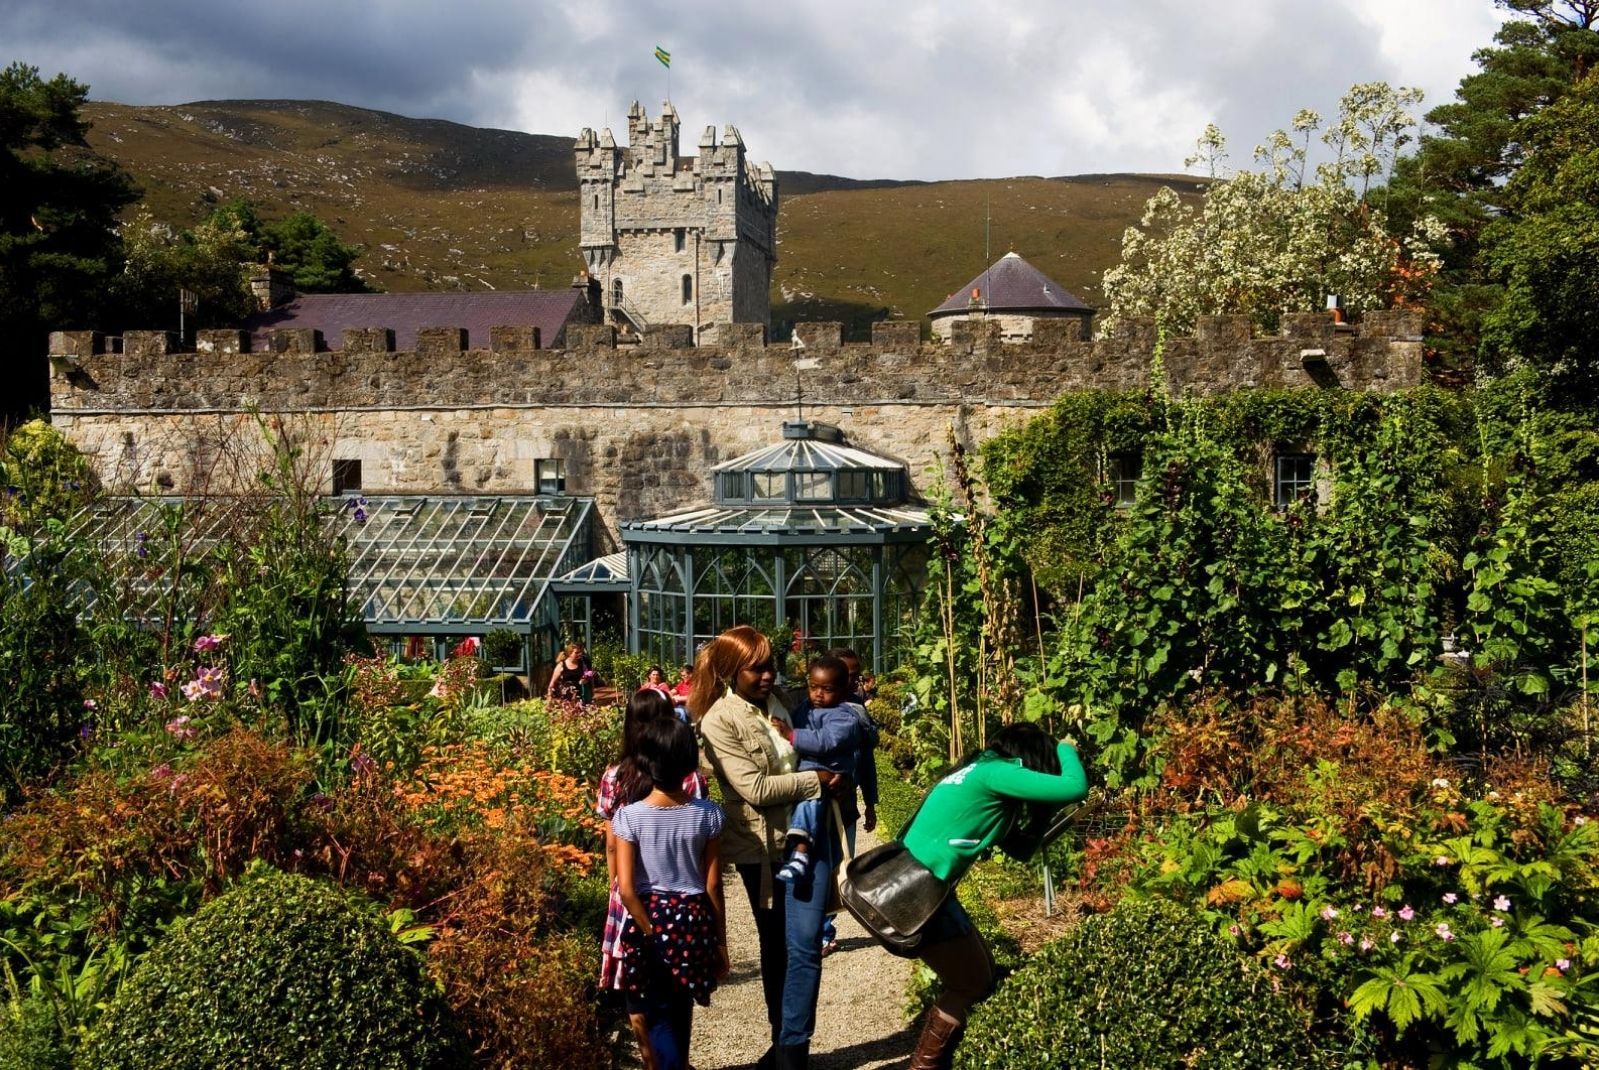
<point>676,239</point>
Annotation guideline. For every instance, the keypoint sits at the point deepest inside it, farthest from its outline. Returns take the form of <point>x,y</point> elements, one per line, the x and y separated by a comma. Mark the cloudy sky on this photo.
<point>867,88</point>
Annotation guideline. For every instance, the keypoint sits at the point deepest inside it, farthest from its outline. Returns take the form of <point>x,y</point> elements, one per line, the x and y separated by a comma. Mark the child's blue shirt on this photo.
<point>838,738</point>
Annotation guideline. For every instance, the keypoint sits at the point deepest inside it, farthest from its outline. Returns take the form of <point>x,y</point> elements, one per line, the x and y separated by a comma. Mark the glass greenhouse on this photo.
<point>420,566</point>
<point>811,540</point>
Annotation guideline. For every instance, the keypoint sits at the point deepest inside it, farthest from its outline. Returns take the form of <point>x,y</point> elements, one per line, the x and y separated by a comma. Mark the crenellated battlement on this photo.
<point>732,365</point>
<point>636,426</point>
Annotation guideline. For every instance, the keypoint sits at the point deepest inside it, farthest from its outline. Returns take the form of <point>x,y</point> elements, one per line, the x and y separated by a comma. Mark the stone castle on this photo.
<point>682,252</point>
<point>675,240</point>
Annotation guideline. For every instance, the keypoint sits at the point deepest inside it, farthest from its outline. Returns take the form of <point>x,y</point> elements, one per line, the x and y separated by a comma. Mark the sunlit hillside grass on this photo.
<point>438,205</point>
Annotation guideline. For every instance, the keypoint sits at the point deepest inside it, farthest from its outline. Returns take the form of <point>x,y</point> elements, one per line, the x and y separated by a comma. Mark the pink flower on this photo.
<point>1235,930</point>
<point>90,704</point>
<point>1394,937</point>
<point>1443,931</point>
<point>1366,944</point>
<point>1329,912</point>
<point>208,642</point>
<point>1497,923</point>
<point>1356,909</point>
<point>1406,913</point>
<point>1502,903</point>
<point>1378,912</point>
<point>158,690</point>
<point>1441,860</point>
<point>1562,965</point>
<point>180,727</point>
<point>1346,938</point>
<point>1451,898</point>
<point>1283,962</point>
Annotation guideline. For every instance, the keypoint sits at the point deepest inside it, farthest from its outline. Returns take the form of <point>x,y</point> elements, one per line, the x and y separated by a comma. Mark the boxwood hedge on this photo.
<point>1150,986</point>
<point>280,971</point>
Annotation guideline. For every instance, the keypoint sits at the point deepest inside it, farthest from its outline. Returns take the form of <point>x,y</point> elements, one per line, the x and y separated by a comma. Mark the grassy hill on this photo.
<point>438,205</point>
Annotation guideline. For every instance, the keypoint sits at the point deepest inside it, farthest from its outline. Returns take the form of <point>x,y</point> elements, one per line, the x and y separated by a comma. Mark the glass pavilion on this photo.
<point>421,567</point>
<point>812,541</point>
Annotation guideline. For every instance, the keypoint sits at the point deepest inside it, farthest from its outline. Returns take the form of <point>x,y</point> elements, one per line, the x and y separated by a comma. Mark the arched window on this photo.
<point>688,289</point>
<point>616,292</point>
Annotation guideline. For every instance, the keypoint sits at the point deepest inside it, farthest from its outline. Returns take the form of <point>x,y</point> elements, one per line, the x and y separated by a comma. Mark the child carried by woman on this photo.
<point>829,733</point>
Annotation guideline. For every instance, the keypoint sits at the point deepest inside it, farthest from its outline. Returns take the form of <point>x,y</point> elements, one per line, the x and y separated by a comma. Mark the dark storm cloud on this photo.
<point>926,90</point>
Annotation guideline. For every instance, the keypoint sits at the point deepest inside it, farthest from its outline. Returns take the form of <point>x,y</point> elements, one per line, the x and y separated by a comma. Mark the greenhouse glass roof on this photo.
<point>784,524</point>
<point>418,564</point>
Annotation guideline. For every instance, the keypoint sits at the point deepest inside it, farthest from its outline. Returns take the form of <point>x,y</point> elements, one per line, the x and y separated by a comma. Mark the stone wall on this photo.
<point>638,426</point>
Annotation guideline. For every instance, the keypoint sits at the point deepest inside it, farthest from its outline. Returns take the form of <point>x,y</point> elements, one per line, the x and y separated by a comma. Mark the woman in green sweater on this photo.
<point>1015,784</point>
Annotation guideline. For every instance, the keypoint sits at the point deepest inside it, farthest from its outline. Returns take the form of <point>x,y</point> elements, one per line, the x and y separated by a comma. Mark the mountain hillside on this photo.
<point>439,205</point>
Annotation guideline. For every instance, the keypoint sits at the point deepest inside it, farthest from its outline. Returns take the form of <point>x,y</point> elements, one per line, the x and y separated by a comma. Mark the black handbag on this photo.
<point>891,894</point>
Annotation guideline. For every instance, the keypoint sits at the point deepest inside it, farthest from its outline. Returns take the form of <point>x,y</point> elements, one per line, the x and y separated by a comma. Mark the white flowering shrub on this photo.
<point>1280,239</point>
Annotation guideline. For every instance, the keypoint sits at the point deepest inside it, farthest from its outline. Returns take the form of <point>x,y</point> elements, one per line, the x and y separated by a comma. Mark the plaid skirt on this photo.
<point>611,949</point>
<point>682,950</point>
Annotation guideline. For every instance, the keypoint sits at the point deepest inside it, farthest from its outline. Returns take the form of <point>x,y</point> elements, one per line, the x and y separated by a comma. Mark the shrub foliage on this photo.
<point>281,971</point>
<point>1148,985</point>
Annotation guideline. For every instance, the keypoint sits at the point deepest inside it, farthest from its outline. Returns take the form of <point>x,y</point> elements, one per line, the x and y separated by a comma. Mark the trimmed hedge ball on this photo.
<point>278,972</point>
<point>1149,986</point>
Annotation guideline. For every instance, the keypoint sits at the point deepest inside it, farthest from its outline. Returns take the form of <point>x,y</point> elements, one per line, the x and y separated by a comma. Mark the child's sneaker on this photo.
<point>795,870</point>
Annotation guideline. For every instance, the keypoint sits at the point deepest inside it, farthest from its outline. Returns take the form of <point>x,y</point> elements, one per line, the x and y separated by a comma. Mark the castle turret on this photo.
<point>672,239</point>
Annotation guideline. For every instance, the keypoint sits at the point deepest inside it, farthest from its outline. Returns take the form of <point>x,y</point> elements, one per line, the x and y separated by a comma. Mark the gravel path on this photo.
<point>859,1021</point>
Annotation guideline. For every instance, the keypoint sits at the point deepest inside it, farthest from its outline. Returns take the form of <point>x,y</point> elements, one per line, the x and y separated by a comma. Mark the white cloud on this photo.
<point>939,89</point>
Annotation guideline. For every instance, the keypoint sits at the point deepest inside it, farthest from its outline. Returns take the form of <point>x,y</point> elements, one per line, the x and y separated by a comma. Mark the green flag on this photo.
<point>664,56</point>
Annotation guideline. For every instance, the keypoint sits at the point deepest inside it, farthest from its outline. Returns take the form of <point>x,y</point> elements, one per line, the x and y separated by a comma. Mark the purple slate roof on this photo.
<point>1013,284</point>
<point>406,313</point>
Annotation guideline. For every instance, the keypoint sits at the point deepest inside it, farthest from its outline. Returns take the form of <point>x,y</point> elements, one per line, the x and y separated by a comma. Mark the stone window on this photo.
<point>688,289</point>
<point>1122,472</point>
<point>679,239</point>
<point>550,475</point>
<point>1294,478</point>
<point>346,477</point>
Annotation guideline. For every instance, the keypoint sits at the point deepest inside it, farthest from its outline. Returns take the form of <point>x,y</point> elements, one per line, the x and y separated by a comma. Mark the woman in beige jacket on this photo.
<point>733,705</point>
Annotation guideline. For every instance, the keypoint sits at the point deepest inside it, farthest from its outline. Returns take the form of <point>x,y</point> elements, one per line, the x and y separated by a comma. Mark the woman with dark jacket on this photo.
<point>1010,788</point>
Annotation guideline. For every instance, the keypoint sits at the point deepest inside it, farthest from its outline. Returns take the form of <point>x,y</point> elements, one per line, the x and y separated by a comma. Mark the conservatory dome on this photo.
<point>810,537</point>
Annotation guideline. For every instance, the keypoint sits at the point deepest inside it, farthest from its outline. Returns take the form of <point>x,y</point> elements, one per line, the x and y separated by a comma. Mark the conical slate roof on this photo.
<point>1013,285</point>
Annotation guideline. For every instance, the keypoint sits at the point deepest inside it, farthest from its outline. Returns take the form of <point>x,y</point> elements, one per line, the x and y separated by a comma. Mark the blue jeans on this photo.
<point>804,909</point>
<point>669,1015</point>
<point>790,933</point>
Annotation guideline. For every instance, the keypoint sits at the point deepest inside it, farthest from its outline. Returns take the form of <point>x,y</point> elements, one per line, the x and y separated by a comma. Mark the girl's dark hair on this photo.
<point>645,707</point>
<point>1028,742</point>
<point>668,752</point>
<point>655,669</point>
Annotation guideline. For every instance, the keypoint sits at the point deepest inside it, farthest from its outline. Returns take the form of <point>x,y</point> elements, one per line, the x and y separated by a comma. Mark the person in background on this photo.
<point>1015,783</point>
<point>682,689</point>
<point>621,784</point>
<point>669,875</point>
<point>655,680</point>
<point>573,678</point>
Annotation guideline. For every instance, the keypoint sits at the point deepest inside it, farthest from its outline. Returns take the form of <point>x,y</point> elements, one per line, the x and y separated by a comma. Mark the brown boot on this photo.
<point>935,1048</point>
